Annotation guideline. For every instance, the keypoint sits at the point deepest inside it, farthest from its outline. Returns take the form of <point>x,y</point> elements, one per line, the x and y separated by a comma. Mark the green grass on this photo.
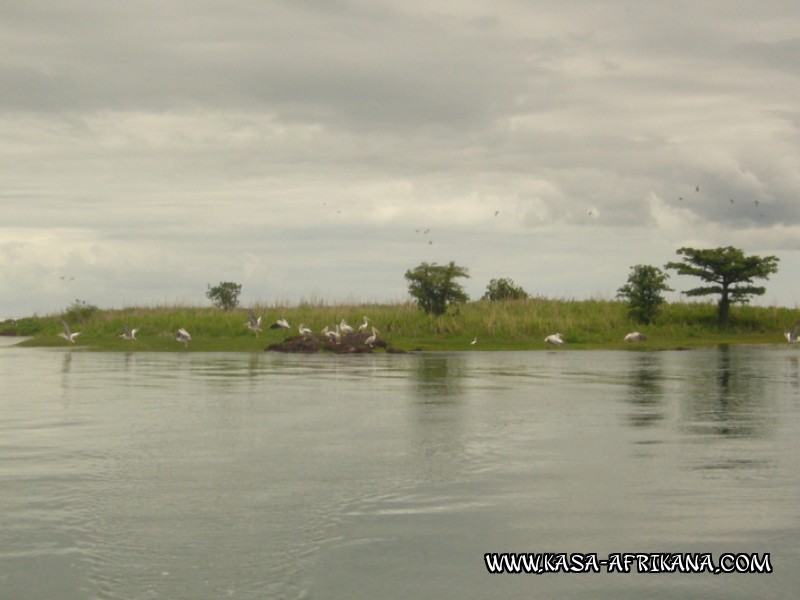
<point>512,325</point>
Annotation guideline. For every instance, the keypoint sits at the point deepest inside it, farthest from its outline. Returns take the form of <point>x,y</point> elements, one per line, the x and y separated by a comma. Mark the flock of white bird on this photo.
<point>334,335</point>
<point>254,324</point>
<point>342,328</point>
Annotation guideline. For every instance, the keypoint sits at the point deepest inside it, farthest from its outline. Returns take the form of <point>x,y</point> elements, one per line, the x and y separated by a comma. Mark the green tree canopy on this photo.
<point>434,286</point>
<point>504,289</point>
<point>225,295</point>
<point>728,271</point>
<point>643,291</point>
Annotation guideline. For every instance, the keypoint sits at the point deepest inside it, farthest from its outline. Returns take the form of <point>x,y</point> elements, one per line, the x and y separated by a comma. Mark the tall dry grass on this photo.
<point>514,324</point>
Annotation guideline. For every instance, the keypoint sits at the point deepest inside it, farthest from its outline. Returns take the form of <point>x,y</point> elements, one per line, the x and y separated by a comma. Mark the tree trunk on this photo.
<point>724,308</point>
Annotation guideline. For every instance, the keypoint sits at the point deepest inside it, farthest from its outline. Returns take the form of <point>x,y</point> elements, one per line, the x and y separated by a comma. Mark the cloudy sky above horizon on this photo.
<point>303,148</point>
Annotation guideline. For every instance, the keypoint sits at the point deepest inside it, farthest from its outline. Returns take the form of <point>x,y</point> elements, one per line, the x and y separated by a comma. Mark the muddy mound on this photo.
<point>353,343</point>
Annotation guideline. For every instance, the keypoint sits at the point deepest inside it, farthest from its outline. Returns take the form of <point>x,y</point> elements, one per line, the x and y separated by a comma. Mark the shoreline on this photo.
<point>239,346</point>
<point>493,326</point>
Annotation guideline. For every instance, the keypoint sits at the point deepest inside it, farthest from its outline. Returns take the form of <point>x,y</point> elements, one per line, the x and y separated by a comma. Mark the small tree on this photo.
<point>725,268</point>
<point>643,292</point>
<point>504,289</point>
<point>434,287</point>
<point>225,295</point>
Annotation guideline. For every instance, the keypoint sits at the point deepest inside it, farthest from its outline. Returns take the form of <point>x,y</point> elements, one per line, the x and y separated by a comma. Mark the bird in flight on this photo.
<point>280,324</point>
<point>129,334</point>
<point>635,336</point>
<point>253,322</point>
<point>554,339</point>
<point>68,334</point>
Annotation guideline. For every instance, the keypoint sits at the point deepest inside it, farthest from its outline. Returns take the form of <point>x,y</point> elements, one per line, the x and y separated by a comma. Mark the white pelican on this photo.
<point>129,334</point>
<point>304,331</point>
<point>474,341</point>
<point>332,336</point>
<point>791,334</point>
<point>67,334</point>
<point>253,322</point>
<point>371,339</point>
<point>363,327</point>
<point>280,324</point>
<point>554,339</point>
<point>635,336</point>
<point>183,336</point>
<point>345,328</point>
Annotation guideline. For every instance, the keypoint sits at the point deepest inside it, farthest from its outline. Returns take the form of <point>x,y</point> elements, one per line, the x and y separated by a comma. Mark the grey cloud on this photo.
<point>356,66</point>
<point>206,132</point>
<point>780,55</point>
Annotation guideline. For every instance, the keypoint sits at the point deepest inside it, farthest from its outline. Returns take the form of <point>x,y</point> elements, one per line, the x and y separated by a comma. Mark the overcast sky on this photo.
<point>303,147</point>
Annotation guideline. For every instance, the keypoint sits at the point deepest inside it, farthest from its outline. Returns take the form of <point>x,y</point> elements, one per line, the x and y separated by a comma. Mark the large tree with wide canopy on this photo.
<point>728,272</point>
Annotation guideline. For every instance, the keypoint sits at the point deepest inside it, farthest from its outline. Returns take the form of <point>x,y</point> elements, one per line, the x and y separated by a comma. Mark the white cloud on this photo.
<point>154,148</point>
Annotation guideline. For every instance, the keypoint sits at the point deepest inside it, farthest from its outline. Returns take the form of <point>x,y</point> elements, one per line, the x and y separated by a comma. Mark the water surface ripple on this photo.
<point>195,475</point>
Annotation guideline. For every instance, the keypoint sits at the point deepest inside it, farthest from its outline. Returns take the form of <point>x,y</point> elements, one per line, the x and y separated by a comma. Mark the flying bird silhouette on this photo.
<point>635,336</point>
<point>280,324</point>
<point>253,322</point>
<point>129,334</point>
<point>68,334</point>
<point>554,339</point>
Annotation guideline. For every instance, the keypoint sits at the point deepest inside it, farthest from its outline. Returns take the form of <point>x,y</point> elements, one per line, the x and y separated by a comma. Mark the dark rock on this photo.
<point>354,343</point>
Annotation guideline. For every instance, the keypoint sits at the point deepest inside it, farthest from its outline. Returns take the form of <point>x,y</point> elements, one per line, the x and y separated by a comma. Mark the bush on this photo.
<point>80,311</point>
<point>643,292</point>
<point>434,288</point>
<point>504,289</point>
<point>225,295</point>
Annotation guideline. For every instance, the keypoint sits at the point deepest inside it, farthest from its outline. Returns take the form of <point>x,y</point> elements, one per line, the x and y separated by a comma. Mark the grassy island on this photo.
<point>499,325</point>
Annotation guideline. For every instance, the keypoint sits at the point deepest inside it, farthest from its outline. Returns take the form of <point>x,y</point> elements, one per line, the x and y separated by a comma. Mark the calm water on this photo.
<point>206,476</point>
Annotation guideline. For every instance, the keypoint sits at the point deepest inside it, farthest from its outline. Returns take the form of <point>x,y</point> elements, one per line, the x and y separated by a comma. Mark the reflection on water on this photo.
<point>794,371</point>
<point>192,475</point>
<point>438,377</point>
<point>731,400</point>
<point>646,390</point>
